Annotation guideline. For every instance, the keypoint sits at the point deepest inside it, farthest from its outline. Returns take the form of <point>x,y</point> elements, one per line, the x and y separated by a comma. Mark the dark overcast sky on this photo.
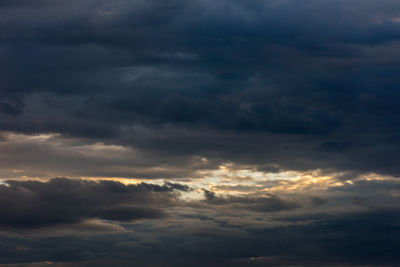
<point>210,133</point>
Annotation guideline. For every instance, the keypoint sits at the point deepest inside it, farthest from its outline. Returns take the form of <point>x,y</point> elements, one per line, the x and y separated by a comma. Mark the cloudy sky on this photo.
<point>199,133</point>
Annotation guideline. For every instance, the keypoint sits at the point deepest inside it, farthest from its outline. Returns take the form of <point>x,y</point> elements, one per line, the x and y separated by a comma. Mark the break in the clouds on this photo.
<point>243,132</point>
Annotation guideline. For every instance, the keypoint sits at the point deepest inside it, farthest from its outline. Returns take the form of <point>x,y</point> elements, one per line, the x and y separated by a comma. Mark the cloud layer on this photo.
<point>30,204</point>
<point>78,222</point>
<point>295,84</point>
<point>199,132</point>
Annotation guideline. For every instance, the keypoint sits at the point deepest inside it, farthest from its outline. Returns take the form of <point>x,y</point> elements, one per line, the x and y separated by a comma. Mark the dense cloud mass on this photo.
<point>75,222</point>
<point>301,84</point>
<point>30,204</point>
<point>243,132</point>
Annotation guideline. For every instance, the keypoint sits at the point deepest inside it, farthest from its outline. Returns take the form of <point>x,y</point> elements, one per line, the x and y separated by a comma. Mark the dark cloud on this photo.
<point>320,76</point>
<point>235,231</point>
<point>268,203</point>
<point>155,89</point>
<point>29,204</point>
<point>329,241</point>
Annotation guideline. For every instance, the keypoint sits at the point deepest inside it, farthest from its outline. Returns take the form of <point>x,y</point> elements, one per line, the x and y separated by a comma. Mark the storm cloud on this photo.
<point>199,132</point>
<point>30,204</point>
<point>319,77</point>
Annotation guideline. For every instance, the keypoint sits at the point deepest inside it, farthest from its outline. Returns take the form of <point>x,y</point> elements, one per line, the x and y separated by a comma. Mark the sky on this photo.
<point>199,133</point>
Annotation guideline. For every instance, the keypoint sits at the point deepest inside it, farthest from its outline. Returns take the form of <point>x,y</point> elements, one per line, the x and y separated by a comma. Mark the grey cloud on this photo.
<point>214,234</point>
<point>30,204</point>
<point>316,77</point>
<point>155,89</point>
<point>269,203</point>
<point>331,240</point>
